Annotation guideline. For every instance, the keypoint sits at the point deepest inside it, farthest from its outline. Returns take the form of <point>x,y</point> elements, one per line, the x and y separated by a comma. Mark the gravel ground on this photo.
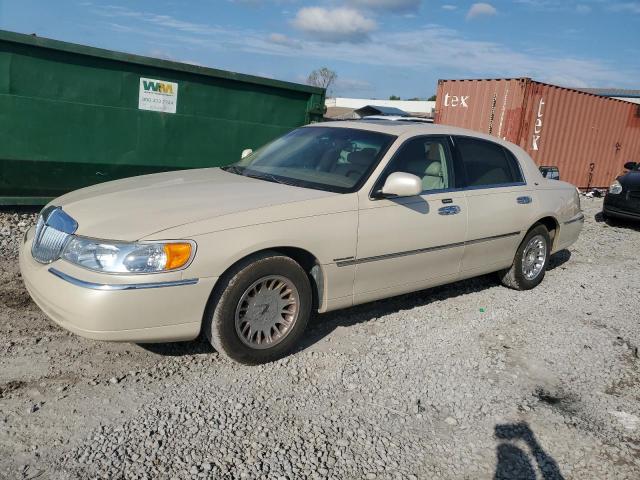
<point>470,380</point>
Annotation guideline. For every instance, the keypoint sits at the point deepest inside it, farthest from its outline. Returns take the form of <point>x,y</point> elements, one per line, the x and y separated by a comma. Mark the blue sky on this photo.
<point>377,47</point>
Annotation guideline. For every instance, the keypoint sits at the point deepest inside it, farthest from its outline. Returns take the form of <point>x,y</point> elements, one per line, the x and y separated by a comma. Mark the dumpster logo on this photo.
<point>151,86</point>
<point>158,95</point>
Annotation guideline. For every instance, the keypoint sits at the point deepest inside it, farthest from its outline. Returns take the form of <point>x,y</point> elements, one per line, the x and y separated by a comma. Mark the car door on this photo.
<point>499,204</point>
<point>410,243</point>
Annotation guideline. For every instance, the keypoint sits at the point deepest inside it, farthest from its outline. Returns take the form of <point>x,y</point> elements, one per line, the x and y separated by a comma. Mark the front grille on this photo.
<point>53,229</point>
<point>47,247</point>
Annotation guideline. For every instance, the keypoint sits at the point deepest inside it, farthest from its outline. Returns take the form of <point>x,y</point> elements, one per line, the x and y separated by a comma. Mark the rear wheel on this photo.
<point>259,310</point>
<point>530,262</point>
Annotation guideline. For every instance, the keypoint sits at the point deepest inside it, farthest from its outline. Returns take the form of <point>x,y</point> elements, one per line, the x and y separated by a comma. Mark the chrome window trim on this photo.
<point>120,286</point>
<point>496,185</point>
<point>458,189</point>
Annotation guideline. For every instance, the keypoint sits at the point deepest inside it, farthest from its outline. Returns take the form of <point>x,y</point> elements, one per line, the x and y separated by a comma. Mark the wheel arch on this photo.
<point>307,261</point>
<point>551,224</point>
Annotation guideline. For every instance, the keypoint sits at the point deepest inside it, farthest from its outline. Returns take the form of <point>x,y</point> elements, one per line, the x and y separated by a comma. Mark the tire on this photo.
<point>516,277</point>
<point>248,300</point>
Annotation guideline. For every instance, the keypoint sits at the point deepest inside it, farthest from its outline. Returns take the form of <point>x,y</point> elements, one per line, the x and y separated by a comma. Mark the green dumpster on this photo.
<point>72,116</point>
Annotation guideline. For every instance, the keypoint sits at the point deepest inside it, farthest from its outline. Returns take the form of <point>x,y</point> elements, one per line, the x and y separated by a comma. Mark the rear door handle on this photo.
<point>450,210</point>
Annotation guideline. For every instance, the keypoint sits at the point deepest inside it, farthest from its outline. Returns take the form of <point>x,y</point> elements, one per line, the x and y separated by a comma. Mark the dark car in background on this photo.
<point>623,198</point>
<point>550,172</point>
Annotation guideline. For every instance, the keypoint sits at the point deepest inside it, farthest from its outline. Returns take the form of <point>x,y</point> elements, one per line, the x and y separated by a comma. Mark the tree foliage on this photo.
<point>394,97</point>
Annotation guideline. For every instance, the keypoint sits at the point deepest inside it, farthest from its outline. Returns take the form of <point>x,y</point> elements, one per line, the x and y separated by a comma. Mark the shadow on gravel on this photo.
<point>519,455</point>
<point>617,222</point>
<point>558,259</point>
<point>322,325</point>
<point>198,346</point>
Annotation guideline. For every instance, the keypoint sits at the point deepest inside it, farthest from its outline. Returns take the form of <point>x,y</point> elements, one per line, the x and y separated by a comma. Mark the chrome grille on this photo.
<point>53,229</point>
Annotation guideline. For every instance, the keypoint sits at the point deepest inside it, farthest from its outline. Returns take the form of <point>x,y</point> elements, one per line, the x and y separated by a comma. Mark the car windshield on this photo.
<point>326,158</point>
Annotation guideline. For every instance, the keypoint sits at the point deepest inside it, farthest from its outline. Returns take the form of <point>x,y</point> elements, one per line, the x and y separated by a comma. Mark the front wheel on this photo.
<point>260,309</point>
<point>530,262</point>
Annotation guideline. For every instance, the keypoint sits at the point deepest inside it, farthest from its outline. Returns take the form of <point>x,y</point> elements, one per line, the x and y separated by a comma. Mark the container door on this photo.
<point>499,202</point>
<point>410,243</point>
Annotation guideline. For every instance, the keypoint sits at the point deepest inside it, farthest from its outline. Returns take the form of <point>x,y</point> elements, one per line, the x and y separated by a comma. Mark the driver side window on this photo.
<point>428,158</point>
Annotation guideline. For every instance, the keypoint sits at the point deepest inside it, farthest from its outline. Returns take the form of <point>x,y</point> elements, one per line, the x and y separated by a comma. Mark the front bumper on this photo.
<point>114,308</point>
<point>620,208</point>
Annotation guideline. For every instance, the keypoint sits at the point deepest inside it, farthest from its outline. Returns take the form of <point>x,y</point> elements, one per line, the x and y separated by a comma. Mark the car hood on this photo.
<point>630,179</point>
<point>137,207</point>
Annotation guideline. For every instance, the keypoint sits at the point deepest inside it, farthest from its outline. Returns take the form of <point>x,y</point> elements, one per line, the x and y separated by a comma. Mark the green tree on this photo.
<point>432,98</point>
<point>394,97</point>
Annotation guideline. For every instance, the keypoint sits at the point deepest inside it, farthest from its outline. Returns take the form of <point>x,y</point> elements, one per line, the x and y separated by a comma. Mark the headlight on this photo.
<point>615,188</point>
<point>111,257</point>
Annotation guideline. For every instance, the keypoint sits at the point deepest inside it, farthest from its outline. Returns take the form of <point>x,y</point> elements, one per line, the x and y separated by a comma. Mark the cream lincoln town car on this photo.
<point>326,217</point>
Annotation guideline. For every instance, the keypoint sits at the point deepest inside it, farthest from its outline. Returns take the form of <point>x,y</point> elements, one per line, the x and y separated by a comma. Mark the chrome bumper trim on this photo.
<point>120,286</point>
<point>577,218</point>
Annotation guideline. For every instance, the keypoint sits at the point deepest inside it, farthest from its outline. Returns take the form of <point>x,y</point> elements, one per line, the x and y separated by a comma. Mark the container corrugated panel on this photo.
<point>490,106</point>
<point>70,116</point>
<point>588,137</point>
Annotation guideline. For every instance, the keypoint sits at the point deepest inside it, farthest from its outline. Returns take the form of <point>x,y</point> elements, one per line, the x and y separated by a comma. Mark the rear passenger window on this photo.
<point>487,163</point>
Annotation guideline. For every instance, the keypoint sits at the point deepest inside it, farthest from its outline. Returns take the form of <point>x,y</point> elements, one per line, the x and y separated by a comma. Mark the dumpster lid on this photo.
<point>51,44</point>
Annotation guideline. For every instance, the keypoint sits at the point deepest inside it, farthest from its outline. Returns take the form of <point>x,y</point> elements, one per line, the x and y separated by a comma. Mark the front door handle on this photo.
<point>449,210</point>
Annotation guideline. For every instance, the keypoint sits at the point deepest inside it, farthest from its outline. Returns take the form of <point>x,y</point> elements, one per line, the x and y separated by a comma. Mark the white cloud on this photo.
<point>583,9</point>
<point>431,48</point>
<point>630,7</point>
<point>334,25</point>
<point>388,5</point>
<point>449,7</point>
<point>481,9</point>
<point>280,39</point>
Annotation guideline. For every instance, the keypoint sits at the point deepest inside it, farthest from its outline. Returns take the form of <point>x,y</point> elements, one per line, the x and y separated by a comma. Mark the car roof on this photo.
<point>398,128</point>
<point>398,118</point>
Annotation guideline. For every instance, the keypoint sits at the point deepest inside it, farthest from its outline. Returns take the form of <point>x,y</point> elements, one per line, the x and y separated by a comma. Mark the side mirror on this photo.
<point>402,184</point>
<point>245,153</point>
<point>630,165</point>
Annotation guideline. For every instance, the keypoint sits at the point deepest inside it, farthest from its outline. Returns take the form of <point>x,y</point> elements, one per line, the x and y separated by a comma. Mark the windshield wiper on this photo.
<point>233,169</point>
<point>269,178</point>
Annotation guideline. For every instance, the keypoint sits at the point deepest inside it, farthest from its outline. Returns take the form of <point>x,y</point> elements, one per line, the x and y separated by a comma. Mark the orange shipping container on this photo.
<point>588,137</point>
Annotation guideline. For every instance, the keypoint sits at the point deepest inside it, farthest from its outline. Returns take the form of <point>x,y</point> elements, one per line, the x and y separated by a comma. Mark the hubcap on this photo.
<point>267,311</point>
<point>534,257</point>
